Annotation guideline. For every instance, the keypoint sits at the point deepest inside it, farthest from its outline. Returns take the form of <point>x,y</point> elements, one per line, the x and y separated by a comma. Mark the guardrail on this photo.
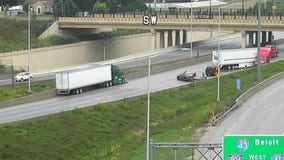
<point>241,99</point>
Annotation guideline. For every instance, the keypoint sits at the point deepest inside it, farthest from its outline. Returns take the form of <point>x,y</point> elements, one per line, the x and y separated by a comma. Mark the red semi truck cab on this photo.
<point>268,52</point>
<point>273,50</point>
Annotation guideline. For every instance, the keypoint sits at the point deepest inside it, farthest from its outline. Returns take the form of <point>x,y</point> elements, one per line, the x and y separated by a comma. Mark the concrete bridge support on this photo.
<point>170,38</point>
<point>263,38</point>
<point>177,37</point>
<point>270,35</point>
<point>250,39</point>
<point>184,36</point>
<point>266,38</point>
<point>162,38</point>
<point>244,39</point>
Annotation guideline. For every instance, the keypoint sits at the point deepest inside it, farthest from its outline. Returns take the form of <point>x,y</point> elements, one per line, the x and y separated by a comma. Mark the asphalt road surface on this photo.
<point>133,88</point>
<point>262,114</point>
<point>204,47</point>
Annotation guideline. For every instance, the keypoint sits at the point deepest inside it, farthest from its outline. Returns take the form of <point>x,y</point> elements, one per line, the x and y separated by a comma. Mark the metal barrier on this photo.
<point>185,151</point>
<point>241,99</point>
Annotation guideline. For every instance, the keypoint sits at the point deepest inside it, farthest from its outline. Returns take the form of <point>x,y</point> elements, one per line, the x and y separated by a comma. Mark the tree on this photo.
<point>85,5</point>
<point>5,4</point>
<point>26,6</point>
<point>100,7</point>
<point>124,5</point>
<point>65,8</point>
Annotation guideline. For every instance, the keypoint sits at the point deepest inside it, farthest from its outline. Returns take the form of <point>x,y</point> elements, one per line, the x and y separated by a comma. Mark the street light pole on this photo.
<point>258,40</point>
<point>191,29</point>
<point>148,110</point>
<point>29,46</point>
<point>218,67</point>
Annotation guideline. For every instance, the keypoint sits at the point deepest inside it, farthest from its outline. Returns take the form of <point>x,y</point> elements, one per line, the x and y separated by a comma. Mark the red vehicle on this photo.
<point>191,76</point>
<point>187,76</point>
<point>270,51</point>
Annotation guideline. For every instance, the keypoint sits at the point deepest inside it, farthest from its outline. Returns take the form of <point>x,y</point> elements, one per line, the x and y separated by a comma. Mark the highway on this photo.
<point>131,89</point>
<point>204,47</point>
<point>262,114</point>
<point>135,87</point>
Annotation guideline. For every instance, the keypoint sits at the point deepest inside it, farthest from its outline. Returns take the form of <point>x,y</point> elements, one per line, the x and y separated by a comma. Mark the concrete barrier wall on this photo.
<point>50,58</point>
<point>53,58</point>
<point>258,87</point>
<point>245,96</point>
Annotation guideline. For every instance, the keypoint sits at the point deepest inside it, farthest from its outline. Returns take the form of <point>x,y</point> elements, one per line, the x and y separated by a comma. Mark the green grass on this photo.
<point>10,93</point>
<point>14,35</point>
<point>117,130</point>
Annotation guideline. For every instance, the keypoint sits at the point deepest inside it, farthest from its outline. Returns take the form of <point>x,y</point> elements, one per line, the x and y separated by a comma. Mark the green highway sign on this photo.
<point>253,147</point>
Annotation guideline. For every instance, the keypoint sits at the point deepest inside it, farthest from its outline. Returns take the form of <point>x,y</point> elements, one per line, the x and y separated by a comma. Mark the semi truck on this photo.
<point>80,80</point>
<point>235,59</point>
<point>269,51</point>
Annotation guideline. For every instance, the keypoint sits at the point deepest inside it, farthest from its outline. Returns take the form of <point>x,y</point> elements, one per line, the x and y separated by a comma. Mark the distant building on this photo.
<point>15,10</point>
<point>41,7</point>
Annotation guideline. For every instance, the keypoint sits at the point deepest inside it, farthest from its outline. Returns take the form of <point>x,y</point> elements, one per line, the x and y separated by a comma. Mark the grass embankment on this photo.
<point>117,130</point>
<point>10,93</point>
<point>14,35</point>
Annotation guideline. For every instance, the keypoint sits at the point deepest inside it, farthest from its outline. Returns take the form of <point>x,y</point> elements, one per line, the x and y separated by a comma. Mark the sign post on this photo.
<point>238,84</point>
<point>253,147</point>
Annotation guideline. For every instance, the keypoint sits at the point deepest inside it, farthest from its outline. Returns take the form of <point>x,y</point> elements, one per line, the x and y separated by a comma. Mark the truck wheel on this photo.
<point>77,91</point>
<point>110,84</point>
<point>209,71</point>
<point>81,90</point>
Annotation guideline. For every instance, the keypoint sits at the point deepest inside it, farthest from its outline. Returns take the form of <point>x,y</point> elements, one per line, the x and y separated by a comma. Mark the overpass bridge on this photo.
<point>169,26</point>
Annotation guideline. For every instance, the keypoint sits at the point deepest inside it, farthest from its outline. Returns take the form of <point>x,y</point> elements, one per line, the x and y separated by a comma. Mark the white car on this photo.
<point>23,76</point>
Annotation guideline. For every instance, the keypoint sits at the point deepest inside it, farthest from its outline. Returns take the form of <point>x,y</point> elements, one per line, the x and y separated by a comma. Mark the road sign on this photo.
<point>238,84</point>
<point>253,147</point>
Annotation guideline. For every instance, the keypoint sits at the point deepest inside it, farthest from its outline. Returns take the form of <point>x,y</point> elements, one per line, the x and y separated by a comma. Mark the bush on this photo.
<point>66,39</point>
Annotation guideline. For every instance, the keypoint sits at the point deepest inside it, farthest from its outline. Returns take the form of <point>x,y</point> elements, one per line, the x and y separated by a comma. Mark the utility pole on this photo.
<point>29,46</point>
<point>258,40</point>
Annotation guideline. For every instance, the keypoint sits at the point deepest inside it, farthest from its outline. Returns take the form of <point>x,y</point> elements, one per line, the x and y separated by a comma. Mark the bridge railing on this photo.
<point>173,18</point>
<point>187,15</point>
<point>232,23</point>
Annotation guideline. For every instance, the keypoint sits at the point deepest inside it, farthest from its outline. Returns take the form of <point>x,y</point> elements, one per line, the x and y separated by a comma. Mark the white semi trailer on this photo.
<point>77,81</point>
<point>231,59</point>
